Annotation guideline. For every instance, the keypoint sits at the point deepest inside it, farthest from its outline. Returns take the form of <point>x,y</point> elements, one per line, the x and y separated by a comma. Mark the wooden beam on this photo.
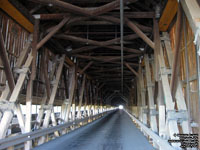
<point>192,10</point>
<point>44,98</point>
<point>142,93</point>
<point>66,6</point>
<point>86,67</point>
<point>6,64</point>
<point>52,97</point>
<point>106,58</point>
<point>177,55</point>
<point>45,70</point>
<point>50,34</point>
<point>157,49</point>
<point>6,6</point>
<point>72,79</point>
<point>81,96</point>
<point>8,115</point>
<point>153,121</point>
<point>96,43</point>
<point>84,11</point>
<point>134,14</point>
<point>168,14</point>
<point>131,69</point>
<point>29,90</point>
<point>58,16</point>
<point>139,33</point>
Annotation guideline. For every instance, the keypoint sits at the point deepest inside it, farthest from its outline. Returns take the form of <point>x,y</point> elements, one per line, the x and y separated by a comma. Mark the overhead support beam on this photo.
<point>35,9</point>
<point>50,34</point>
<point>132,26</point>
<point>6,64</point>
<point>96,43</point>
<point>117,21</point>
<point>168,14</point>
<point>106,58</point>
<point>131,69</point>
<point>6,6</point>
<point>102,85</point>
<point>84,11</point>
<point>107,43</point>
<point>86,67</point>
<point>64,5</point>
<point>58,16</point>
<point>83,49</point>
<point>177,53</point>
<point>134,14</point>
<point>139,33</point>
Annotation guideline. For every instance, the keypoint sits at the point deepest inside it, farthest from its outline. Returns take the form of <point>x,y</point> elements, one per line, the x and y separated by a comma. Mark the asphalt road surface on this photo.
<point>114,131</point>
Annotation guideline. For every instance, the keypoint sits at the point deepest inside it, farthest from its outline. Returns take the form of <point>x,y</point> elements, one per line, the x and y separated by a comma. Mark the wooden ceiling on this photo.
<point>92,34</point>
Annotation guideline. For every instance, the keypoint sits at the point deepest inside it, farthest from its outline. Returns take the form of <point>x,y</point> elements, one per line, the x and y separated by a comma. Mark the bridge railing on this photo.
<point>18,139</point>
<point>163,144</point>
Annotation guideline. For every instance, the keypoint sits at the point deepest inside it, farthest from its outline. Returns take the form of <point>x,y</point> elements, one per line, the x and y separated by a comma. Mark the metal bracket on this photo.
<point>164,38</point>
<point>23,70</point>
<point>145,110</point>
<point>150,84</point>
<point>66,101</point>
<point>143,90</point>
<point>53,82</point>
<point>196,36</point>
<point>7,106</point>
<point>47,107</point>
<point>180,116</point>
<point>164,71</point>
<point>153,112</point>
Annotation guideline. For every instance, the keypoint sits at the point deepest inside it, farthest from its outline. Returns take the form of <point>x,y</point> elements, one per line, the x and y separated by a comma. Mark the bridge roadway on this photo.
<point>114,131</point>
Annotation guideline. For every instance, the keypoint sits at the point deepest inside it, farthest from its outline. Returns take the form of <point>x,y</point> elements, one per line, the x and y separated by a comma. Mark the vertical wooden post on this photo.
<point>159,89</point>
<point>52,97</point>
<point>157,49</point>
<point>72,79</point>
<point>28,144</point>
<point>177,56</point>
<point>90,99</point>
<point>171,124</point>
<point>81,96</point>
<point>8,115</point>
<point>180,100</point>
<point>153,122</point>
<point>44,99</point>
<point>96,101</point>
<point>142,94</point>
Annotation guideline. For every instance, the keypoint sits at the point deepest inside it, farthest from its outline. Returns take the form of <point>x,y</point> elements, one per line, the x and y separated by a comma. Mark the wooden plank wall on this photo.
<point>15,37</point>
<point>192,68</point>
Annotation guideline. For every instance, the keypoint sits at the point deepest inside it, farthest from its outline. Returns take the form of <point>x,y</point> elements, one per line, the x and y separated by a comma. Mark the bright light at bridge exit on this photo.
<point>121,107</point>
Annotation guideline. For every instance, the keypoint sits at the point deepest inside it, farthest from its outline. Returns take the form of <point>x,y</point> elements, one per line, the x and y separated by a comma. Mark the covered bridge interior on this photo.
<point>71,68</point>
